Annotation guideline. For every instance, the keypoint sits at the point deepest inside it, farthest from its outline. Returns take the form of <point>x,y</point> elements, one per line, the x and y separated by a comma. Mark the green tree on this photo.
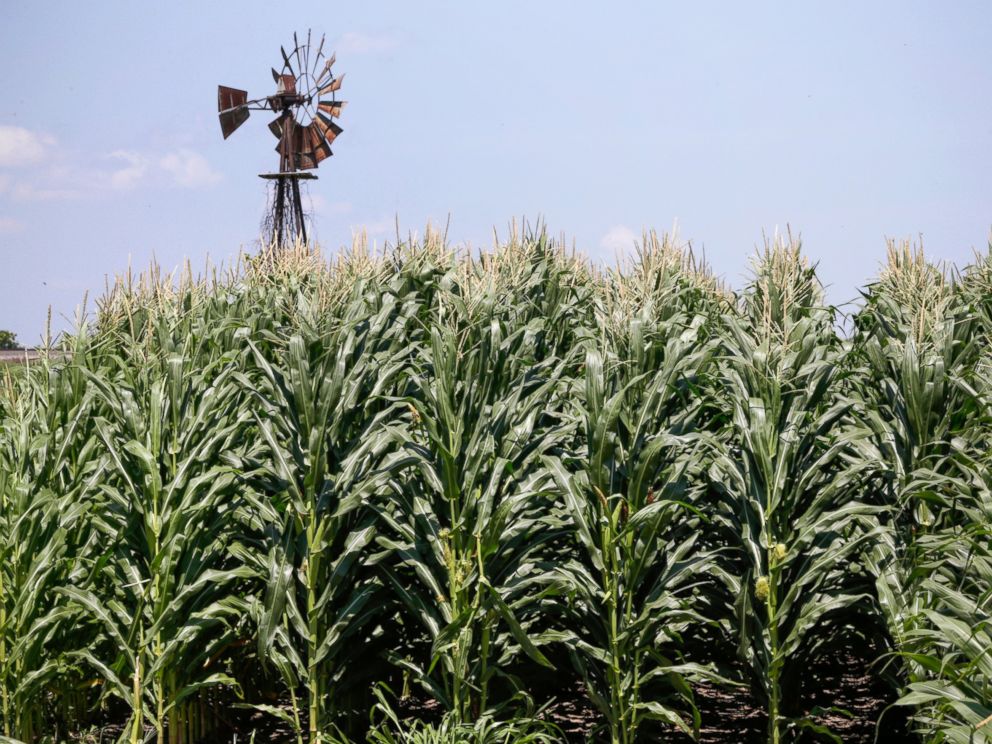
<point>8,340</point>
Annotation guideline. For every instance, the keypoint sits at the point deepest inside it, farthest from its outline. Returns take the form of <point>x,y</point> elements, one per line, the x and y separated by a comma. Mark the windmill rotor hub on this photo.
<point>285,103</point>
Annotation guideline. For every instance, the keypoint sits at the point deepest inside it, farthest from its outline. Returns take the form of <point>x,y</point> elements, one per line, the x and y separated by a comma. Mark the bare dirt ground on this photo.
<point>847,686</point>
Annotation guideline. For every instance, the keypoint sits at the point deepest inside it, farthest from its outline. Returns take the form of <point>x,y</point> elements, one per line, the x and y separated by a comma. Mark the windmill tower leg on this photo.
<point>279,218</point>
<point>301,228</point>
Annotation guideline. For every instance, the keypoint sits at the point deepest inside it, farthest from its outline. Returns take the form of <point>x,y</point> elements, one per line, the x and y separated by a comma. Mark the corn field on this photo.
<point>306,490</point>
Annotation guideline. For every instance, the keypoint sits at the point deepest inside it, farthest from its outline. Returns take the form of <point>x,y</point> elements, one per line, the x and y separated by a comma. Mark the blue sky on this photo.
<point>849,121</point>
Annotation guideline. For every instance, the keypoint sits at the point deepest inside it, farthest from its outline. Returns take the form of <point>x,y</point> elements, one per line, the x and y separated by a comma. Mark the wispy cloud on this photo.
<point>355,42</point>
<point>136,166</point>
<point>25,191</point>
<point>189,169</point>
<point>377,228</point>
<point>10,225</point>
<point>618,239</point>
<point>321,206</point>
<point>19,146</point>
<point>120,170</point>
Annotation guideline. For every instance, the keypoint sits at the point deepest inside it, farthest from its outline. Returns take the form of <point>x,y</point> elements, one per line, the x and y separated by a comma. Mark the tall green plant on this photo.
<point>920,362</point>
<point>788,494</point>
<point>49,460</point>
<point>319,410</point>
<point>635,554</point>
<point>161,589</point>
<point>465,522</point>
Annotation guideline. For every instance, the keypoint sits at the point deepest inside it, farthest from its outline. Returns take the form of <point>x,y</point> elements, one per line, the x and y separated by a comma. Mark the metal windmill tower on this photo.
<point>305,104</point>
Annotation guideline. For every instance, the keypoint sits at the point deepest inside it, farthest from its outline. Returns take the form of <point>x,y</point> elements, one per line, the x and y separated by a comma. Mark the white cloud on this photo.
<point>31,192</point>
<point>19,146</point>
<point>128,176</point>
<point>355,42</point>
<point>9,225</point>
<point>189,169</point>
<point>618,239</point>
<point>321,206</point>
<point>100,175</point>
<point>382,228</point>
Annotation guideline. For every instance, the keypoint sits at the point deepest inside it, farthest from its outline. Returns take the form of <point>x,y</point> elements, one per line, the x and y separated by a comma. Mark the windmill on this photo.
<point>305,104</point>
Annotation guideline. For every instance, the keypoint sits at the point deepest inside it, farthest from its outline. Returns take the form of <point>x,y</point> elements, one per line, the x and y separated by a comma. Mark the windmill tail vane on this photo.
<point>305,103</point>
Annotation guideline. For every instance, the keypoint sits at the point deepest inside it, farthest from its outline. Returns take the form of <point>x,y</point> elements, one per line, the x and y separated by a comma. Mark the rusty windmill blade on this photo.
<point>299,60</point>
<point>332,108</point>
<point>299,143</point>
<point>286,65</point>
<point>299,52</point>
<point>321,149</point>
<point>327,128</point>
<point>290,144</point>
<point>318,57</point>
<point>333,86</point>
<point>305,159</point>
<point>327,66</point>
<point>305,57</point>
<point>275,126</point>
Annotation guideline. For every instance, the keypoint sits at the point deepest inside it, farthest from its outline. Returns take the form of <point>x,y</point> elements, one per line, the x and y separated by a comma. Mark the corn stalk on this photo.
<point>48,462</point>
<point>161,591</point>
<point>788,491</point>
<point>465,522</point>
<point>318,411</point>
<point>923,379</point>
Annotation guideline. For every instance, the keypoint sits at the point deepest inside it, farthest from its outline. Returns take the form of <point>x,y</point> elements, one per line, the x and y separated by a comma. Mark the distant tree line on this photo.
<point>8,340</point>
